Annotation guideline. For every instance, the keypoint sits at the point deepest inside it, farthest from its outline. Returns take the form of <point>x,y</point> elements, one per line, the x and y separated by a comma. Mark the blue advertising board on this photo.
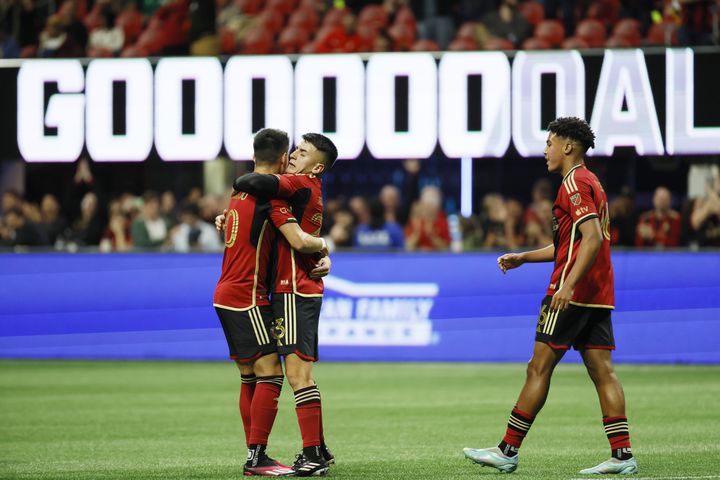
<point>377,307</point>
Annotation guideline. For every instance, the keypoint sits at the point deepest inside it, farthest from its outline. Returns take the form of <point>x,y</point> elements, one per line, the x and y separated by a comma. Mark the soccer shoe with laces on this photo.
<point>613,465</point>
<point>304,467</point>
<point>267,467</point>
<point>492,457</point>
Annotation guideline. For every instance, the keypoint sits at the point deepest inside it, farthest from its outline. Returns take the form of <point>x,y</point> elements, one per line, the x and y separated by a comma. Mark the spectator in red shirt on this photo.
<point>661,226</point>
<point>427,228</point>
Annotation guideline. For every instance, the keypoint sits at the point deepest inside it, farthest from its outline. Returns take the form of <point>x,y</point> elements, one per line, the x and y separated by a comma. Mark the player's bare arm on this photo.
<point>301,241</point>
<point>514,260</point>
<point>589,248</point>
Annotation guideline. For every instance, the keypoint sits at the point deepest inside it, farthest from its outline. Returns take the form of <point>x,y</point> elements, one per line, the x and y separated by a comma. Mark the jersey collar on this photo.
<point>572,170</point>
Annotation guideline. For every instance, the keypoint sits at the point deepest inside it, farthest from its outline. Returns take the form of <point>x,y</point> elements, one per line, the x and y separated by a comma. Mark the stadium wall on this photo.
<point>378,307</point>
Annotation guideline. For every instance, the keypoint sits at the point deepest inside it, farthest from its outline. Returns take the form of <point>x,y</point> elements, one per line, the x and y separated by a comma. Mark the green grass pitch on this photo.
<point>172,420</point>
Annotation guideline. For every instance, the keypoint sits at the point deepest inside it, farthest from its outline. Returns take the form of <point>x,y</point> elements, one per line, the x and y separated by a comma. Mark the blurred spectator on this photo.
<point>53,38</point>
<point>342,228</point>
<point>659,227</point>
<point>473,10</point>
<point>359,207</point>
<point>566,10</point>
<point>538,215</point>
<point>9,48</point>
<point>378,233</point>
<point>149,7</point>
<point>172,18</point>
<point>23,19</point>
<point>472,234</point>
<point>390,201</point>
<point>11,199</point>
<point>506,22</point>
<point>168,207</point>
<point>697,22</point>
<point>88,229</point>
<point>107,36</point>
<point>201,34</point>
<point>150,229</point>
<point>193,234</point>
<point>428,227</point>
<point>77,34</point>
<point>705,217</point>
<point>209,206</point>
<point>52,223</point>
<point>17,230</point>
<point>436,20</point>
<point>116,237</point>
<point>500,223</point>
<point>623,219</point>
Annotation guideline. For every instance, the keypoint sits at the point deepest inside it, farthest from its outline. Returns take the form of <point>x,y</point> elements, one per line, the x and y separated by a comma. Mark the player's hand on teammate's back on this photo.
<point>561,299</point>
<point>220,221</point>
<point>509,261</point>
<point>322,268</point>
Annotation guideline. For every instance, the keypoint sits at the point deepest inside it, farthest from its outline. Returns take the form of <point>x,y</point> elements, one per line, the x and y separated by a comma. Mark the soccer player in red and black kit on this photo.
<point>296,296</point>
<point>576,311</point>
<point>242,299</point>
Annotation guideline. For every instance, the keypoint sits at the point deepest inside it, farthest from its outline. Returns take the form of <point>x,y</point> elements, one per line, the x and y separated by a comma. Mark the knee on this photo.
<point>538,369</point>
<point>298,378</point>
<point>600,372</point>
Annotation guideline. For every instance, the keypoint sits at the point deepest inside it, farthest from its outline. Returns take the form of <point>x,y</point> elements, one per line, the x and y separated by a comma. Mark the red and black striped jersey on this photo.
<point>247,260</point>
<point>580,198</point>
<point>304,196</point>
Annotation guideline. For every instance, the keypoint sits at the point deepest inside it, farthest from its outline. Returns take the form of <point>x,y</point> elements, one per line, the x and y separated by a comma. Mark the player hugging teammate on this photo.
<point>284,323</point>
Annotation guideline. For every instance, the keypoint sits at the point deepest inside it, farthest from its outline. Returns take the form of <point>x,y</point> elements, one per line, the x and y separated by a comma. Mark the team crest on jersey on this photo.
<point>317,218</point>
<point>278,329</point>
<point>575,199</point>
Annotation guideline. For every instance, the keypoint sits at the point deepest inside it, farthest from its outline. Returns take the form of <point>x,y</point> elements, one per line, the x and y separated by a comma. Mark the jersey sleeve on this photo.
<point>281,213</point>
<point>580,201</point>
<point>290,184</point>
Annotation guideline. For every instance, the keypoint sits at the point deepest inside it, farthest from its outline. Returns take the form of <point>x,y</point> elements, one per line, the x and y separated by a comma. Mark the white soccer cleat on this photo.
<point>613,465</point>
<point>492,457</point>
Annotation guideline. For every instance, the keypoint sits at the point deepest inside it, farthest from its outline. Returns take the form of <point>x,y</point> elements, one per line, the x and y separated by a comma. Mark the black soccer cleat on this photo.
<point>305,467</point>
<point>327,454</point>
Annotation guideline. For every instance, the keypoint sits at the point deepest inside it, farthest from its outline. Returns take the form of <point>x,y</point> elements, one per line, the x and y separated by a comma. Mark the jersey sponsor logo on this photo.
<point>576,199</point>
<point>284,282</point>
<point>580,210</point>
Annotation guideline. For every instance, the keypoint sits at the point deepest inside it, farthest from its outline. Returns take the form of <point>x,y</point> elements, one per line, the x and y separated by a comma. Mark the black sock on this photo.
<point>313,453</point>
<point>508,450</point>
<point>256,452</point>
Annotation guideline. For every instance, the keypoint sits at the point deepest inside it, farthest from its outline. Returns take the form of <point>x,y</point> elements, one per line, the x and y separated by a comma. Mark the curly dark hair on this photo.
<point>325,145</point>
<point>575,129</point>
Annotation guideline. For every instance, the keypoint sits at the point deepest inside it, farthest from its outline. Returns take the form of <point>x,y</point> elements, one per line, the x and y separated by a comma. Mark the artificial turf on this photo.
<point>171,420</point>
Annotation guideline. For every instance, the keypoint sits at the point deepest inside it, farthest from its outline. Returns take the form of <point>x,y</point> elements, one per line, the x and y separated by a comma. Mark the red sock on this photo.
<point>618,433</point>
<point>518,426</point>
<point>246,394</point>
<point>309,412</point>
<point>264,408</point>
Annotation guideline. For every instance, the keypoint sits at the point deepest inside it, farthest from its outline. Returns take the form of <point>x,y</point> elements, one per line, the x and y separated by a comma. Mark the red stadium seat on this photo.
<point>534,12</point>
<point>402,35</point>
<point>462,44</point>
<point>152,40</point>
<point>308,48</point>
<point>29,52</point>
<point>573,43</point>
<point>292,39</point>
<point>535,43</point>
<point>606,11</point>
<point>228,42</point>
<point>135,51</point>
<point>425,46</point>
<point>250,7</point>
<point>367,34</point>
<point>405,16</point>
<point>94,17</point>
<point>592,32</point>
<point>258,41</point>
<point>131,21</point>
<point>551,31</point>
<point>334,16</point>
<point>373,15</point>
<point>467,30</point>
<point>330,39</point>
<point>305,19</point>
<point>99,53</point>
<point>271,20</point>
<point>618,42</point>
<point>629,29</point>
<point>497,43</point>
<point>283,6</point>
<point>662,34</point>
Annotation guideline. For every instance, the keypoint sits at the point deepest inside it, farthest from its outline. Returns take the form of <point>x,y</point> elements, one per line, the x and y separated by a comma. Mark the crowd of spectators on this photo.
<point>138,28</point>
<point>408,216</point>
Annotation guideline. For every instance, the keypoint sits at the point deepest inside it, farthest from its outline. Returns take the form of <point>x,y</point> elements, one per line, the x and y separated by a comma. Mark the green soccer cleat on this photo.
<point>613,465</point>
<point>492,457</point>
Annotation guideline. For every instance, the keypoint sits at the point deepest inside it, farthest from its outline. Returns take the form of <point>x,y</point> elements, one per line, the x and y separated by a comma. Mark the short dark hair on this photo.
<point>575,129</point>
<point>325,145</point>
<point>191,209</point>
<point>269,145</point>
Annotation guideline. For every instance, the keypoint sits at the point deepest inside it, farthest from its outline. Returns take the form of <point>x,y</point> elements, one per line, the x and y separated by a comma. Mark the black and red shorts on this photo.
<point>248,332</point>
<point>576,326</point>
<point>296,324</point>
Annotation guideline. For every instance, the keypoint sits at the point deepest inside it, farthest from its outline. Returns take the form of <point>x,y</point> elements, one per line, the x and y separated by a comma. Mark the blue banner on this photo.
<point>404,307</point>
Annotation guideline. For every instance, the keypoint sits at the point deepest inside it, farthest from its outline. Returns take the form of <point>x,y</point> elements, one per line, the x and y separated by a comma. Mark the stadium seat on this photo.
<point>468,30</point>
<point>305,19</point>
<point>271,20</point>
<point>131,21</point>
<point>629,29</point>
<point>228,42</point>
<point>29,52</point>
<point>618,42</point>
<point>402,35</point>
<point>592,32</point>
<point>425,46</point>
<point>605,11</point>
<point>99,53</point>
<point>94,17</point>
<point>497,43</point>
<point>367,34</point>
<point>135,51</point>
<point>462,44</point>
<point>152,40</point>
<point>373,15</point>
<point>308,48</point>
<point>258,41</point>
<point>405,16</point>
<point>550,31</point>
<point>330,39</point>
<point>283,6</point>
<point>535,43</point>
<point>334,16</point>
<point>573,43</point>
<point>292,39</point>
<point>533,11</point>
<point>250,7</point>
<point>662,34</point>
